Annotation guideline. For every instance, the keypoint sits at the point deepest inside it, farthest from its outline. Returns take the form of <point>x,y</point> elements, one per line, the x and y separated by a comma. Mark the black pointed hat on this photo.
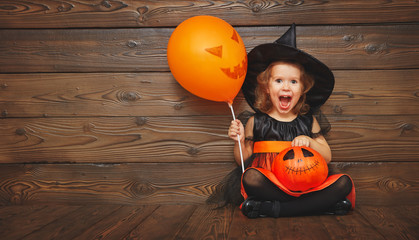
<point>260,57</point>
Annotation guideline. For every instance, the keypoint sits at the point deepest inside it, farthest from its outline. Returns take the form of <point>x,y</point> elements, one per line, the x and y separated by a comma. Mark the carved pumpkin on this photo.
<point>300,168</point>
<point>208,58</point>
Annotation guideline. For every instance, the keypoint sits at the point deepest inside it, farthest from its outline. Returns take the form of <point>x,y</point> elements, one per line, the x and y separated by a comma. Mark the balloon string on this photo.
<point>238,137</point>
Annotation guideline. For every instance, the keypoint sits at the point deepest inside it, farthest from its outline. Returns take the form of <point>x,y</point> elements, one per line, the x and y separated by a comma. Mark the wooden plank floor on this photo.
<point>199,222</point>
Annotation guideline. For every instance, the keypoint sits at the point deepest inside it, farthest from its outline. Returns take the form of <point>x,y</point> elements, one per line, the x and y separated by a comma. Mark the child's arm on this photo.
<point>319,143</point>
<point>236,127</point>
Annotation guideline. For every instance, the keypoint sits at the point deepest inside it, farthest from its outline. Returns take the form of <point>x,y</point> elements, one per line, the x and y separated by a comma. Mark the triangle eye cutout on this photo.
<point>216,51</point>
<point>235,37</point>
<point>307,153</point>
<point>289,155</point>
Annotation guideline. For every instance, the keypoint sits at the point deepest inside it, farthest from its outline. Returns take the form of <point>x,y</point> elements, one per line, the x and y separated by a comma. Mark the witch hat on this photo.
<point>285,48</point>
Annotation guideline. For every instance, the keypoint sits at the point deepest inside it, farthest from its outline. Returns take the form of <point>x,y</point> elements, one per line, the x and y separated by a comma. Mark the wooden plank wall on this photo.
<point>89,112</point>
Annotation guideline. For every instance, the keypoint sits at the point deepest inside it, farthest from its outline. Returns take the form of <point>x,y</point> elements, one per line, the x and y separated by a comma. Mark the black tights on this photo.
<point>261,188</point>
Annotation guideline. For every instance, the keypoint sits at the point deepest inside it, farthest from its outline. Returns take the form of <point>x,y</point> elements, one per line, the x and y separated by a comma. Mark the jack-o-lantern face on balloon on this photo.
<point>300,168</point>
<point>208,58</point>
<point>226,64</point>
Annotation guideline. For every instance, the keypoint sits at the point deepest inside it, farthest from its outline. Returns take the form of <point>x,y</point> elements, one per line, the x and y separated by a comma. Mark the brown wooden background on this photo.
<point>89,112</point>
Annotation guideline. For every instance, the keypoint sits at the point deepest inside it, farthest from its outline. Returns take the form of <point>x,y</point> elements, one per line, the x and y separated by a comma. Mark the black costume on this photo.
<point>263,193</point>
<point>259,183</point>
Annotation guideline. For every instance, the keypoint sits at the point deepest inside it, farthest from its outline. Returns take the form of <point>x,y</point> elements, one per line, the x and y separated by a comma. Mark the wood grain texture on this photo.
<point>117,140</point>
<point>187,139</point>
<point>165,222</point>
<point>352,226</point>
<point>243,228</point>
<point>202,222</point>
<point>383,183</point>
<point>372,92</point>
<point>279,228</point>
<point>72,224</point>
<point>395,223</point>
<point>30,219</point>
<point>109,183</point>
<point>100,94</point>
<point>378,184</point>
<point>394,92</point>
<point>90,115</point>
<point>207,223</point>
<point>120,224</point>
<point>130,13</point>
<point>375,138</point>
<point>144,49</point>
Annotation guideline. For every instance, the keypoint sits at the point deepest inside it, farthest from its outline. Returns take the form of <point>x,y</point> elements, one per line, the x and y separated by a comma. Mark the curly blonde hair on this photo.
<point>263,101</point>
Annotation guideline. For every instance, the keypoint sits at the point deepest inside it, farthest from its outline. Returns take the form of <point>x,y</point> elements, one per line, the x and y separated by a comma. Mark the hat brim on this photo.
<point>263,55</point>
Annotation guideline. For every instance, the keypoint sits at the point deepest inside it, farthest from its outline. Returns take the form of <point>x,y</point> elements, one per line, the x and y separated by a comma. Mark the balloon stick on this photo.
<point>238,137</point>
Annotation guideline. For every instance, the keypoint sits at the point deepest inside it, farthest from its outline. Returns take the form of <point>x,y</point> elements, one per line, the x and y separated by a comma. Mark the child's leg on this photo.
<point>261,188</point>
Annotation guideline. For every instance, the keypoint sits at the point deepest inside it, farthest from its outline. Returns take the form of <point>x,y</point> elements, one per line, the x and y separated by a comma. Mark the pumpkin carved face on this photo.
<point>300,168</point>
<point>233,68</point>
<point>208,58</point>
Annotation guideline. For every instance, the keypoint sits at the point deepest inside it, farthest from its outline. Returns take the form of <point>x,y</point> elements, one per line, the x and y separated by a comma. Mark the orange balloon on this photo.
<point>208,58</point>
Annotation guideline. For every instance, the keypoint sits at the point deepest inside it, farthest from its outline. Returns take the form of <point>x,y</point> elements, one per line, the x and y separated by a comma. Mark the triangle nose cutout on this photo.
<point>216,51</point>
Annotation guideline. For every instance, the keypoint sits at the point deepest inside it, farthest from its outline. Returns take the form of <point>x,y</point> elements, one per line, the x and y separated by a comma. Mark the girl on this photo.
<point>285,87</point>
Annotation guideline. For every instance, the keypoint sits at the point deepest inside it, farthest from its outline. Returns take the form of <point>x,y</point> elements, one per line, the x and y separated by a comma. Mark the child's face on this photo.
<point>284,87</point>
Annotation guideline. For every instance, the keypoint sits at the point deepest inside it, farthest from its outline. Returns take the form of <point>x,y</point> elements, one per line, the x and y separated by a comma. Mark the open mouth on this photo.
<point>285,101</point>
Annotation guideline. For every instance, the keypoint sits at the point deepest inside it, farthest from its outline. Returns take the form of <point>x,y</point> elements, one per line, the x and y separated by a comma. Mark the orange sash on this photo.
<point>270,146</point>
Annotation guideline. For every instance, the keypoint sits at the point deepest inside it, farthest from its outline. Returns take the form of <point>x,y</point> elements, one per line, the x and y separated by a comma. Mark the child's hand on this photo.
<point>301,141</point>
<point>236,128</point>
